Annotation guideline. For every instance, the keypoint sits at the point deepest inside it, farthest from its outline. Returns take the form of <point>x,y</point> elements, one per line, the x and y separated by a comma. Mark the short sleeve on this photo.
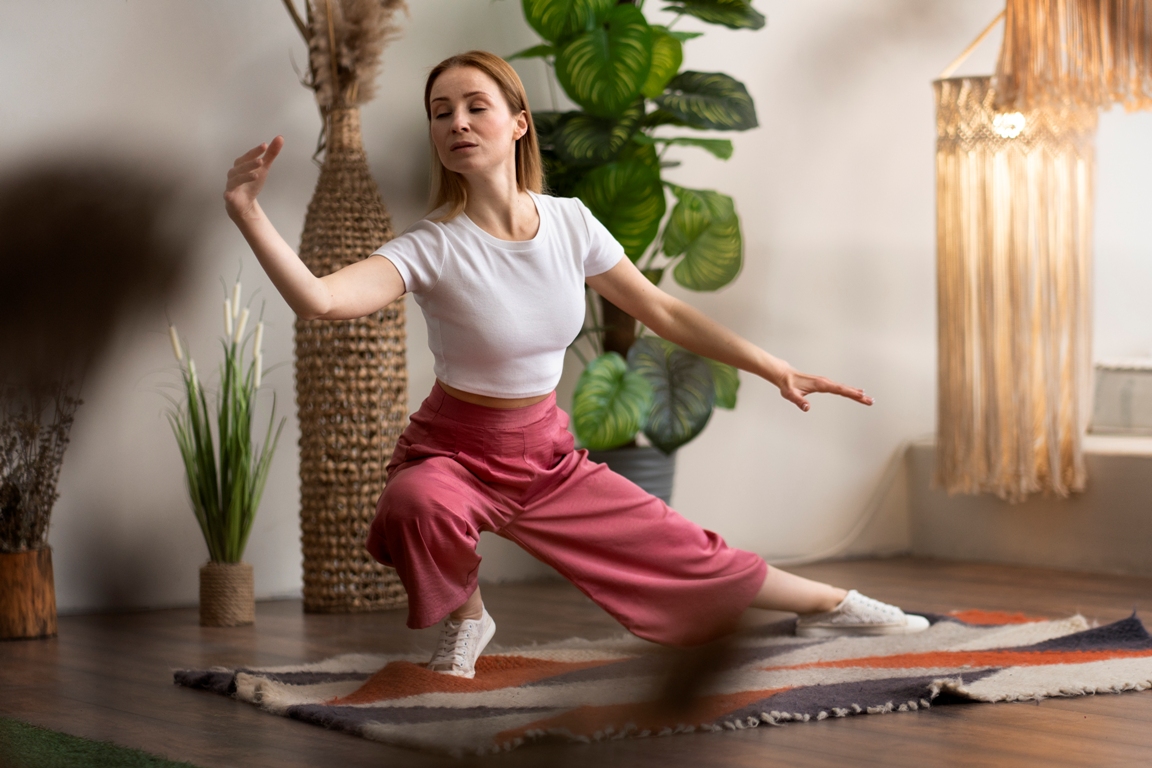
<point>418,254</point>
<point>604,251</point>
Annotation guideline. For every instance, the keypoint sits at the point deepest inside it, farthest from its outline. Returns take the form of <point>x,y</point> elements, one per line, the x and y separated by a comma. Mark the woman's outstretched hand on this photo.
<point>794,386</point>
<point>246,178</point>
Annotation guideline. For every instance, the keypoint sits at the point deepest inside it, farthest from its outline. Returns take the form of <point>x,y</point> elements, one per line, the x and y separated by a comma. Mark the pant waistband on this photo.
<point>450,407</point>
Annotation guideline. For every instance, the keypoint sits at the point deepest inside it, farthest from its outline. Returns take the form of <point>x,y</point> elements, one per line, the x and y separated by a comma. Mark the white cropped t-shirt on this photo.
<point>500,313</point>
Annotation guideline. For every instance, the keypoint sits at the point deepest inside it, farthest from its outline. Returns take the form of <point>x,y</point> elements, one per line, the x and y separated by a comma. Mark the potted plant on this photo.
<point>225,475</point>
<point>625,74</point>
<point>34,427</point>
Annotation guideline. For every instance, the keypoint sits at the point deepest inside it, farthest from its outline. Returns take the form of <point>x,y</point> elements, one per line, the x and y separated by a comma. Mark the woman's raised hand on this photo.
<point>246,178</point>
<point>794,386</point>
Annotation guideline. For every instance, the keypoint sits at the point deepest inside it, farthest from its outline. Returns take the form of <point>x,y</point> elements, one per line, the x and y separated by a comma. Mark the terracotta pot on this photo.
<point>27,595</point>
<point>227,597</point>
<point>646,466</point>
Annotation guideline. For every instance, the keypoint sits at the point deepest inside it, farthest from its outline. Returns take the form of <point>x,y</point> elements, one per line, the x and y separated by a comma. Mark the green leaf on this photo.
<point>667,55</point>
<point>659,117</point>
<point>558,20</point>
<point>604,68</point>
<point>727,381</point>
<point>684,36</point>
<point>704,228</point>
<point>546,122</point>
<point>627,196</point>
<point>560,179</point>
<point>583,139</point>
<point>734,14</point>
<point>536,51</point>
<point>709,100</point>
<point>611,403</point>
<point>683,391</point>
<point>721,148</point>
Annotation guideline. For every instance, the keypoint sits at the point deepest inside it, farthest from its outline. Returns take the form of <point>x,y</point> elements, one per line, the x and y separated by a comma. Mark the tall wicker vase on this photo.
<point>351,390</point>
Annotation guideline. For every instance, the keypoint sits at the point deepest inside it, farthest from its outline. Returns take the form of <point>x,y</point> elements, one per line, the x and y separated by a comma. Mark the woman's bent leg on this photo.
<point>427,525</point>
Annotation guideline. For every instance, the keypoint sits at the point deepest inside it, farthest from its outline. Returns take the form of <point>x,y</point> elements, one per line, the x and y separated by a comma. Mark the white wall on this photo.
<point>835,190</point>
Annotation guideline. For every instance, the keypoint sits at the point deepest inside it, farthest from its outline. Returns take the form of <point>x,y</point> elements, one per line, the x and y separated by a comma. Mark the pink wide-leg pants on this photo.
<point>461,468</point>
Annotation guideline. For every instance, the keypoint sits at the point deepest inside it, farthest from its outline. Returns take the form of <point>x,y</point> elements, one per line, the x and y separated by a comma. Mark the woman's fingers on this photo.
<point>250,154</point>
<point>805,385</point>
<point>274,149</point>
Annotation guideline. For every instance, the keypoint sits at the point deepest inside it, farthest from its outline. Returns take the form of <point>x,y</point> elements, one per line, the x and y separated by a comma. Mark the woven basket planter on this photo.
<point>27,595</point>
<point>351,390</point>
<point>227,595</point>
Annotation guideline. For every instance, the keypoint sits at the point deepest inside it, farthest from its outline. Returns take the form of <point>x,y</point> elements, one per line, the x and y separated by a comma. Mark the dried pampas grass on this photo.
<point>346,40</point>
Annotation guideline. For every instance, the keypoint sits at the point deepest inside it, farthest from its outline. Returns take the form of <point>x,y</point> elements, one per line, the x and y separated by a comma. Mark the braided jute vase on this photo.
<point>227,596</point>
<point>351,390</point>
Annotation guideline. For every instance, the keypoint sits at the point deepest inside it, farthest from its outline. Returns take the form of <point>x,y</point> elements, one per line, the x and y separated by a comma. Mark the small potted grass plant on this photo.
<point>225,473</point>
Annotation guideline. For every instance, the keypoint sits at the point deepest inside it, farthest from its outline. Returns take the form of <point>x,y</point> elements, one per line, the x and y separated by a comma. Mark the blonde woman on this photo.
<point>498,269</point>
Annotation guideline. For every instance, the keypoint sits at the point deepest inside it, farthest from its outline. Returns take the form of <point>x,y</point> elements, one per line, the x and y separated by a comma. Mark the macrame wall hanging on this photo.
<point>351,375</point>
<point>1094,53</point>
<point>1014,194</point>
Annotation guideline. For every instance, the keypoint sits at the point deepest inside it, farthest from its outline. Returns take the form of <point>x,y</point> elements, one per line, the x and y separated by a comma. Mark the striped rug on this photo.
<point>588,690</point>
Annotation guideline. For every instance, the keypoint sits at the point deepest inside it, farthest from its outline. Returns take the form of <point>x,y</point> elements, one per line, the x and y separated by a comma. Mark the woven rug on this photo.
<point>584,690</point>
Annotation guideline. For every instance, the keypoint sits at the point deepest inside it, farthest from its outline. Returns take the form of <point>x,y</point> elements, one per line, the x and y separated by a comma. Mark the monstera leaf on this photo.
<point>683,391</point>
<point>611,403</point>
<point>734,14</point>
<point>558,20</point>
<point>710,100</point>
<point>727,381</point>
<point>583,139</point>
<point>704,228</point>
<point>604,68</point>
<point>628,198</point>
<point>667,55</point>
<point>721,148</point>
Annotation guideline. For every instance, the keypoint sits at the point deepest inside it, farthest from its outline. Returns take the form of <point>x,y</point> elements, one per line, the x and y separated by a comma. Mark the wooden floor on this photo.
<point>109,677</point>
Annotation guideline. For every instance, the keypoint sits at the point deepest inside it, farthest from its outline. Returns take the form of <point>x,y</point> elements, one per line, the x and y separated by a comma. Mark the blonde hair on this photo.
<point>448,186</point>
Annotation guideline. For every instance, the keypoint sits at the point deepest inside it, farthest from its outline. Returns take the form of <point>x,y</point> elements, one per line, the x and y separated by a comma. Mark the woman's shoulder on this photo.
<point>569,211</point>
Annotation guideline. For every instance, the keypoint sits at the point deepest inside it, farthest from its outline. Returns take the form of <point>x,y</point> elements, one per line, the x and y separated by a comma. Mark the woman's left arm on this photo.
<point>626,287</point>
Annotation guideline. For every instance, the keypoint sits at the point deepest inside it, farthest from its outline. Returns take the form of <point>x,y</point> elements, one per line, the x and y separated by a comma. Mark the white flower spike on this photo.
<point>236,299</point>
<point>258,339</point>
<point>240,326</point>
<point>227,317</point>
<point>258,361</point>
<point>175,344</point>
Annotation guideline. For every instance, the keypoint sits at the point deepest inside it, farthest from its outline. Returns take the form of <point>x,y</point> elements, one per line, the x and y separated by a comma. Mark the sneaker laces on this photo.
<point>885,610</point>
<point>455,639</point>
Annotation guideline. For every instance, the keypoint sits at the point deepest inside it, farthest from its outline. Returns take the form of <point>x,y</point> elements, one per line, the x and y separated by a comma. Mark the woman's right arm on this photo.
<point>354,291</point>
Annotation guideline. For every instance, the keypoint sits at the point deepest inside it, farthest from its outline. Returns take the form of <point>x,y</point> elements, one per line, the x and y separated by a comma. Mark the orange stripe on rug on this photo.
<point>400,679</point>
<point>646,716</point>
<point>940,659</point>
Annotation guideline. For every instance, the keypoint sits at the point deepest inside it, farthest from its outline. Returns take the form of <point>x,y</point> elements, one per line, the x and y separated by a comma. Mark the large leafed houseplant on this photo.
<point>635,102</point>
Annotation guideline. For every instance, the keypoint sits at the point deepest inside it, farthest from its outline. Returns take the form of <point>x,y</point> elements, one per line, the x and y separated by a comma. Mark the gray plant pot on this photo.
<point>644,465</point>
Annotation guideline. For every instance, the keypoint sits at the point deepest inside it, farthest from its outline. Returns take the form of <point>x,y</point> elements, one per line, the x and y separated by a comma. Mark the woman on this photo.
<point>498,269</point>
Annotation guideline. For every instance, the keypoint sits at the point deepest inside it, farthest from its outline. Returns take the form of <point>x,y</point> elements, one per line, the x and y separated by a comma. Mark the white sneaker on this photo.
<point>460,645</point>
<point>860,615</point>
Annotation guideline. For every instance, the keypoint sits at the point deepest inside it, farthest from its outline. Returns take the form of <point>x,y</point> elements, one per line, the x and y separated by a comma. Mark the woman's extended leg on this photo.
<point>783,591</point>
<point>828,611</point>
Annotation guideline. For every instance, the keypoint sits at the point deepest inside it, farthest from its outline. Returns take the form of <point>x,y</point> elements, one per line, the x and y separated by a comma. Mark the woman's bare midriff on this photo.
<point>491,402</point>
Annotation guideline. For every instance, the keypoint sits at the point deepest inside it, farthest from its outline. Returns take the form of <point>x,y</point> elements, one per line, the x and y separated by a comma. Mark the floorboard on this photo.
<point>109,677</point>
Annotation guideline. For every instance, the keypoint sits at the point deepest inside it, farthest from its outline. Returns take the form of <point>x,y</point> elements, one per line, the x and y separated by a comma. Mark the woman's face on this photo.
<point>473,128</point>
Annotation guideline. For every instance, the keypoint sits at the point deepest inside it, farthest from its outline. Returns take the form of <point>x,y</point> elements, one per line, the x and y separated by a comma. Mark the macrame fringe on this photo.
<point>1014,246</point>
<point>1093,53</point>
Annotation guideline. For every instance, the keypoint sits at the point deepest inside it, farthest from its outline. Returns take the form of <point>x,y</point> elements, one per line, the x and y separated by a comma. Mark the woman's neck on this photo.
<point>499,207</point>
